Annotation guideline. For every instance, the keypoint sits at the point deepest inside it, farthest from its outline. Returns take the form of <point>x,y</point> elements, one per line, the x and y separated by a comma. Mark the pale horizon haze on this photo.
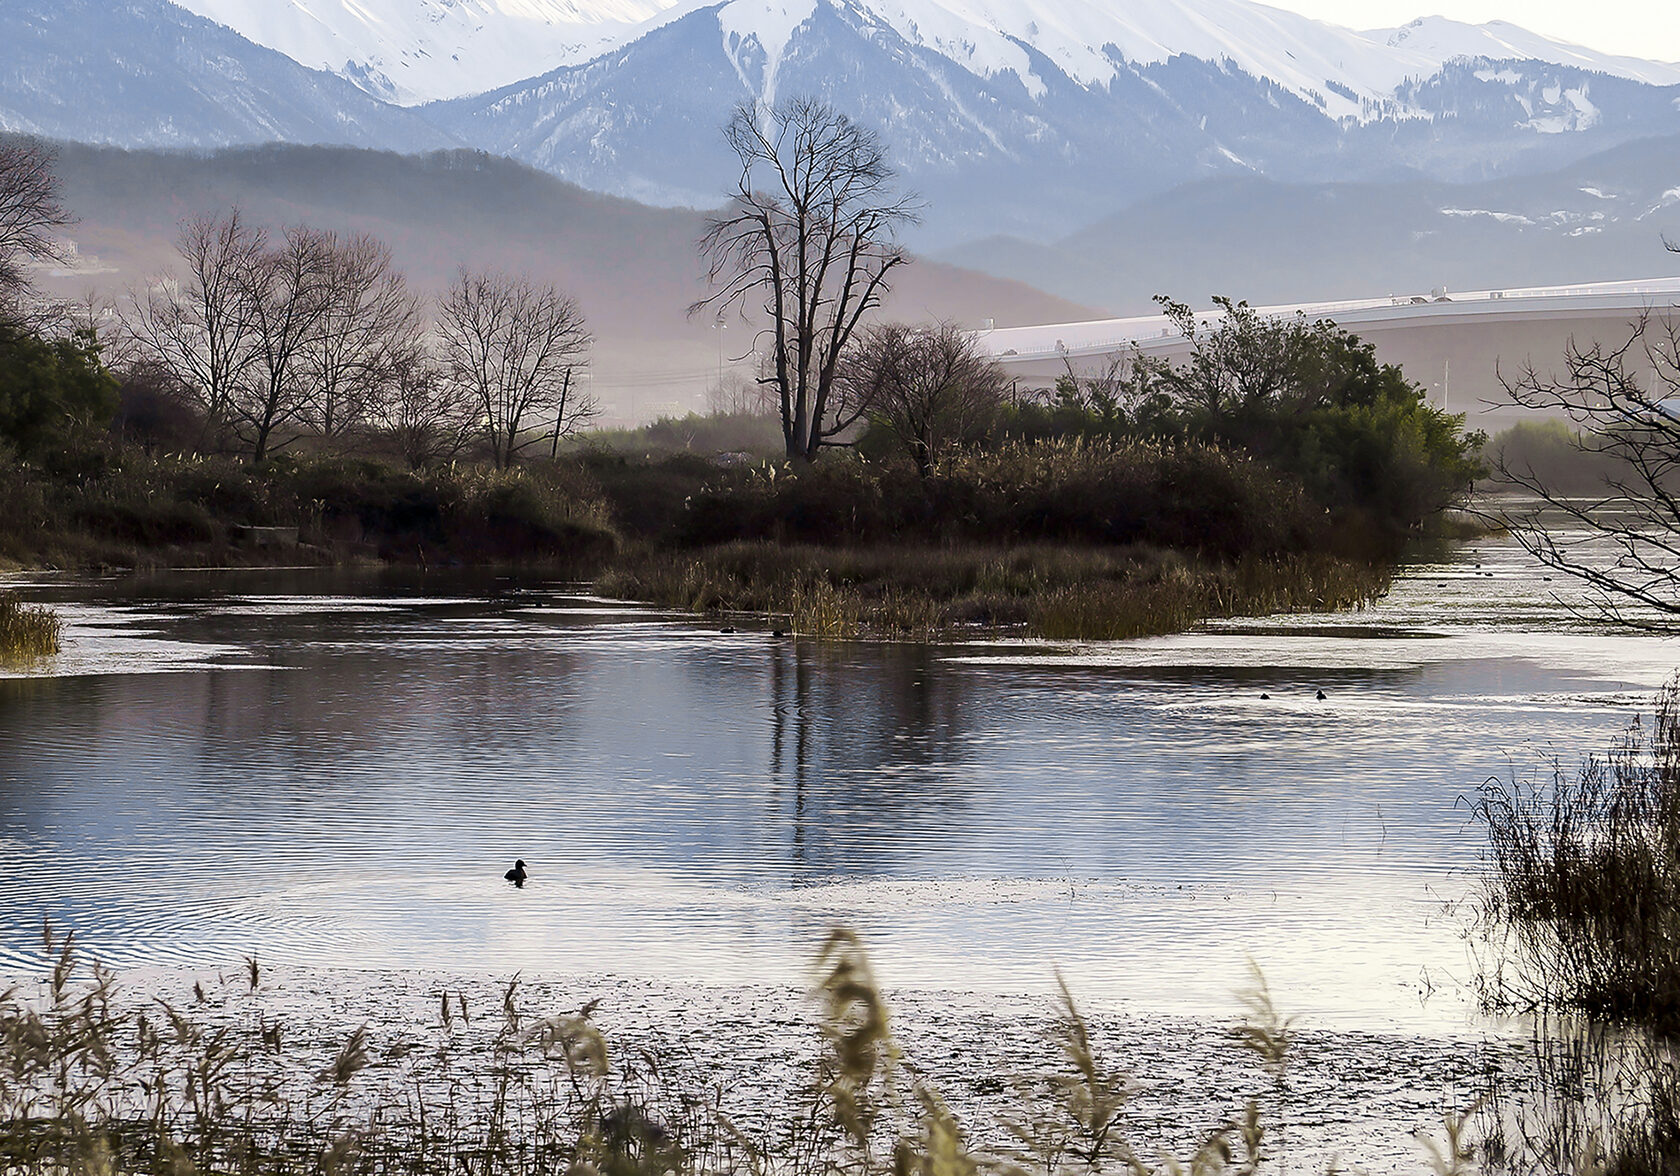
<point>1633,29</point>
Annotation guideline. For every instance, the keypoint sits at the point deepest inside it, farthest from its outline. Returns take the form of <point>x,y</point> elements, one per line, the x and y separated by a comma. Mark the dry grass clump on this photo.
<point>1586,878</point>
<point>26,631</point>
<point>923,593</point>
<point>90,1085</point>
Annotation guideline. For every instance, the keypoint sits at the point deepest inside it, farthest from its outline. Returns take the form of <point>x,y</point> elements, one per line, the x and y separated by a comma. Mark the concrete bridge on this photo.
<point>1458,345</point>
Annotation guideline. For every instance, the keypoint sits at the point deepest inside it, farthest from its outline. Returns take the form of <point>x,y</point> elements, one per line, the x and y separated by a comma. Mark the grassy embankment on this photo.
<point>91,1083</point>
<point>119,507</point>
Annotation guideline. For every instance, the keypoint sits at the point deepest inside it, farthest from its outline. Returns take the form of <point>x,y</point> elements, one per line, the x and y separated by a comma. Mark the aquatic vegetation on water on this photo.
<point>227,1083</point>
<point>922,593</point>
<point>26,631</point>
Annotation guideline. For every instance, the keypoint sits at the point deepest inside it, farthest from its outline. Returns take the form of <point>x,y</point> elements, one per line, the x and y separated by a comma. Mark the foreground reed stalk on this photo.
<point>91,1086</point>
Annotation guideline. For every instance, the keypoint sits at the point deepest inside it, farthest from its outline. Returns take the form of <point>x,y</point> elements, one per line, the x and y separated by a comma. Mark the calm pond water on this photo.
<point>334,768</point>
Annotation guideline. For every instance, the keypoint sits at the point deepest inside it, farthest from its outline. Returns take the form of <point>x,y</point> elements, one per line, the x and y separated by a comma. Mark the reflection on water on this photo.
<point>337,768</point>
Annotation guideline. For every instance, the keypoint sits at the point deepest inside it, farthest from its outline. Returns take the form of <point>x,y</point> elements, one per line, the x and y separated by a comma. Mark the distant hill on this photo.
<point>1602,218</point>
<point>633,268</point>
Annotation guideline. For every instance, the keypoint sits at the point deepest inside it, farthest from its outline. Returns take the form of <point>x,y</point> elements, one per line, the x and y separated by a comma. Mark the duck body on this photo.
<point>517,874</point>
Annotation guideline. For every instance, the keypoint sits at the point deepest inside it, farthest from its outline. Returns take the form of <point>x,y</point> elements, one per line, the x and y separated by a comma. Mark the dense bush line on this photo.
<point>116,506</point>
<point>1192,497</point>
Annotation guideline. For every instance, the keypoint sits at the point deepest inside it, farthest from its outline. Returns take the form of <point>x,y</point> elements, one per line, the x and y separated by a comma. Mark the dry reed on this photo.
<point>25,631</point>
<point>90,1085</point>
<point>1054,592</point>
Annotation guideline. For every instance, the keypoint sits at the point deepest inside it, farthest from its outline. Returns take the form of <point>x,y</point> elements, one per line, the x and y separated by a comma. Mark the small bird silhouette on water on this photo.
<point>1322,696</point>
<point>727,629</point>
<point>517,874</point>
<point>1265,697</point>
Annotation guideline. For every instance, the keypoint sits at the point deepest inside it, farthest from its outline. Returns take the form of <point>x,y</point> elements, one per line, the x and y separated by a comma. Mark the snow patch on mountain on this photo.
<point>769,26</point>
<point>1437,40</point>
<point>411,51</point>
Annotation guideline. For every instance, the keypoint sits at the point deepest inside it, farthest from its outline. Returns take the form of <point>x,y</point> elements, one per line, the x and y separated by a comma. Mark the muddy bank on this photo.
<point>750,1052</point>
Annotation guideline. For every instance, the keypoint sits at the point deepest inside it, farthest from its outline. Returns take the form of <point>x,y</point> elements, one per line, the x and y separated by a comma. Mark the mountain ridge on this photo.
<point>1023,117</point>
<point>147,73</point>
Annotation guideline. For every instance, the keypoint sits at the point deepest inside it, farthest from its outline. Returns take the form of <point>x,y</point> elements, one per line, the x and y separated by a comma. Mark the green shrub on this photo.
<point>51,390</point>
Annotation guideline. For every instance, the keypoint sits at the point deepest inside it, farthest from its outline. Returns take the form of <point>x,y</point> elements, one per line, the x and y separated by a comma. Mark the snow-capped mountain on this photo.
<point>144,73</point>
<point>410,51</point>
<point>1037,116</point>
<point>1032,117</point>
<point>418,50</point>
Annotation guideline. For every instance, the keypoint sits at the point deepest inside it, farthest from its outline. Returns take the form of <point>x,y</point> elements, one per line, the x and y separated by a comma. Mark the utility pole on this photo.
<point>560,416</point>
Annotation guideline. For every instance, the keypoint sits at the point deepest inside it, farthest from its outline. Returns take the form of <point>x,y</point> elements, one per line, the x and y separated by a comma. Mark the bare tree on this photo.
<point>515,348</point>
<point>428,416</point>
<point>1624,400</point>
<point>29,209</point>
<point>285,295</point>
<point>369,320</point>
<point>930,387</point>
<point>199,328</point>
<point>811,230</point>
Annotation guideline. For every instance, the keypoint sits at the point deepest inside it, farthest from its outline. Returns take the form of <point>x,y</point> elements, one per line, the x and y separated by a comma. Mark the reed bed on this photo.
<point>226,1083</point>
<point>1585,879</point>
<point>1582,901</point>
<point>27,631</point>
<point>1054,592</point>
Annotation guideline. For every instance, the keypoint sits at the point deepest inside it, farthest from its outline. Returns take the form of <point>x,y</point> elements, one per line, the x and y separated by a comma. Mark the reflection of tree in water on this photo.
<point>864,753</point>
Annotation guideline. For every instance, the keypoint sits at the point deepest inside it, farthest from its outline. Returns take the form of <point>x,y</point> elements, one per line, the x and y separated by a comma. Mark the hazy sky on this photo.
<point>1639,28</point>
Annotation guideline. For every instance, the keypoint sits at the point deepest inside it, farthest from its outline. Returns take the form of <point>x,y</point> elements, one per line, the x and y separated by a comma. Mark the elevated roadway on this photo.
<point>1458,345</point>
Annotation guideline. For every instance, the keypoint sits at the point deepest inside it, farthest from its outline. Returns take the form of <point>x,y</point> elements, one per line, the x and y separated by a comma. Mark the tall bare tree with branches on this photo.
<point>810,237</point>
<point>285,293</point>
<point>198,328</point>
<point>516,348</point>
<point>428,416</point>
